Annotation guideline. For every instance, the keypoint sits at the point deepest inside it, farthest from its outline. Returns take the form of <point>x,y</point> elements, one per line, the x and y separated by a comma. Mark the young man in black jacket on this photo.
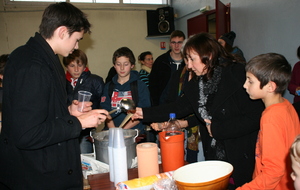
<point>39,139</point>
<point>163,68</point>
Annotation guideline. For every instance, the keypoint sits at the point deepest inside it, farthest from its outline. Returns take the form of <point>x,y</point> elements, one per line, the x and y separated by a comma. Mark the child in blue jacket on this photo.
<point>124,61</point>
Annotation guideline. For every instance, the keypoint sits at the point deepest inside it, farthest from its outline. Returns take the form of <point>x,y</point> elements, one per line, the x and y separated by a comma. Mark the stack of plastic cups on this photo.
<point>119,157</point>
<point>110,154</point>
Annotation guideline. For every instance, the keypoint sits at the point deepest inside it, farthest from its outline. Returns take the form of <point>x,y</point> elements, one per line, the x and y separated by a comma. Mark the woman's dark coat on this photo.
<point>235,119</point>
<point>38,143</point>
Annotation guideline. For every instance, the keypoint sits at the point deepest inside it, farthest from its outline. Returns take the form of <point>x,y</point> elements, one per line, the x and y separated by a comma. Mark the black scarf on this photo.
<point>207,88</point>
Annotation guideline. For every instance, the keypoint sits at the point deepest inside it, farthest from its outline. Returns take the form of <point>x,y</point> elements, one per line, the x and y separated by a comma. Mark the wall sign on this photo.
<point>162,45</point>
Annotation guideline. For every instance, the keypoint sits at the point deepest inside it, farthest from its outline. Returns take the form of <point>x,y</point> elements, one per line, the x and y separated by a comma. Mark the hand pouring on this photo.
<point>126,105</point>
<point>129,106</point>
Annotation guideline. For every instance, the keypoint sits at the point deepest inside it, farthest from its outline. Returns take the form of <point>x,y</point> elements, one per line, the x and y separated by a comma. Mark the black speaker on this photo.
<point>160,21</point>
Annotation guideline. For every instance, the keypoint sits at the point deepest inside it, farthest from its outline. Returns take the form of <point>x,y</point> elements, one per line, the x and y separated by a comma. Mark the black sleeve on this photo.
<point>111,73</point>
<point>181,107</point>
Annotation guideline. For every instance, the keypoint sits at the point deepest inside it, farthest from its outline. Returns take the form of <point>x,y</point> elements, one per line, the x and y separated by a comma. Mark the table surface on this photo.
<point>102,182</point>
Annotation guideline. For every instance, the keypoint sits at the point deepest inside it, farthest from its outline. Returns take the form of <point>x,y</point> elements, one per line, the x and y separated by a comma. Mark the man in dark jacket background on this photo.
<point>163,68</point>
<point>39,145</point>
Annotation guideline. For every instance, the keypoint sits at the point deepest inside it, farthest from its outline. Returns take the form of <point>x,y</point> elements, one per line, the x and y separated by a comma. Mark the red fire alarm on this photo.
<point>162,45</point>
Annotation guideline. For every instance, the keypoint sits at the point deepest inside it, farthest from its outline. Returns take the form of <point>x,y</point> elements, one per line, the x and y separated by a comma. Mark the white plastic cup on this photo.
<point>83,96</point>
<point>119,157</point>
<point>110,154</point>
<point>118,141</point>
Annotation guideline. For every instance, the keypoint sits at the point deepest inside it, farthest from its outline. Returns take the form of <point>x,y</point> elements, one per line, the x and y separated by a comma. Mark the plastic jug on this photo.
<point>172,148</point>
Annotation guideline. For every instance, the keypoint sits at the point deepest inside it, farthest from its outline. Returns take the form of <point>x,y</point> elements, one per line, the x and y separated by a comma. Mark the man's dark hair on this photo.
<point>177,33</point>
<point>63,14</point>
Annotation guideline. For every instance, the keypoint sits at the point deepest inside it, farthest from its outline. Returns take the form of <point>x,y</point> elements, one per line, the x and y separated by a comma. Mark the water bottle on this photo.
<point>173,127</point>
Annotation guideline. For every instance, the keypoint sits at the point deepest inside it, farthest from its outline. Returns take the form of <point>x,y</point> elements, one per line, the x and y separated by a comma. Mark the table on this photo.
<point>102,182</point>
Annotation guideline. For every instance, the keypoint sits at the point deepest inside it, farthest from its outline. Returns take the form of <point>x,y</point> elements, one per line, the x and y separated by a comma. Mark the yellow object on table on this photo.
<point>143,183</point>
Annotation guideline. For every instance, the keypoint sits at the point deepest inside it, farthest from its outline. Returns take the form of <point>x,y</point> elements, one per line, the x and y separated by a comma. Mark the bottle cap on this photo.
<point>172,115</point>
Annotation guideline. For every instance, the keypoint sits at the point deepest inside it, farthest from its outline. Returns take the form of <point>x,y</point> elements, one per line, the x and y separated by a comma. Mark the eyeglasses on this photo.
<point>174,43</point>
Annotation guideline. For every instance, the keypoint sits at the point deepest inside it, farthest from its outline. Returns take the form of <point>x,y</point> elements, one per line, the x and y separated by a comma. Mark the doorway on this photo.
<point>216,22</point>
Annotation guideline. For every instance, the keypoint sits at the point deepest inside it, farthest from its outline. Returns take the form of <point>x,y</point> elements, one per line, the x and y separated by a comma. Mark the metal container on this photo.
<point>101,145</point>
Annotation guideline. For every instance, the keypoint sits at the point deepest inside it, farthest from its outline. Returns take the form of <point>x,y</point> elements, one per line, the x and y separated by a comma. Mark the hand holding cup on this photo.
<point>83,98</point>
<point>73,108</point>
<point>92,118</point>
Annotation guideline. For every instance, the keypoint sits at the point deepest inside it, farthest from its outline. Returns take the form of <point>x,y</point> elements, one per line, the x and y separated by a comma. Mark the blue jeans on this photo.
<point>86,146</point>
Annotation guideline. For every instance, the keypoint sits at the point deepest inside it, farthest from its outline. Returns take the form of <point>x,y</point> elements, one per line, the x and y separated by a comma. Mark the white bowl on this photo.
<point>203,175</point>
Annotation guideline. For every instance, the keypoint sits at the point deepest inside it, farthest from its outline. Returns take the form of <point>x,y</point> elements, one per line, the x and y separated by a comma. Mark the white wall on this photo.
<point>262,26</point>
<point>111,29</point>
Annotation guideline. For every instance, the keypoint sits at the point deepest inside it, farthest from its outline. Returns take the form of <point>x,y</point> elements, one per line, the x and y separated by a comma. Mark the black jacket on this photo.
<point>88,82</point>
<point>111,73</point>
<point>39,145</point>
<point>159,78</point>
<point>235,119</point>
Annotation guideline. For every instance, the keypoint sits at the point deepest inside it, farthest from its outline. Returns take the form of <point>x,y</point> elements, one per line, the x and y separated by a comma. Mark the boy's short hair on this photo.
<point>126,52</point>
<point>271,67</point>
<point>177,33</point>
<point>295,149</point>
<point>78,56</point>
<point>63,14</point>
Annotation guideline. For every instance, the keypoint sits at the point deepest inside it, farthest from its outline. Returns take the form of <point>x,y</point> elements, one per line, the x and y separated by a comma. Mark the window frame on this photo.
<point>32,5</point>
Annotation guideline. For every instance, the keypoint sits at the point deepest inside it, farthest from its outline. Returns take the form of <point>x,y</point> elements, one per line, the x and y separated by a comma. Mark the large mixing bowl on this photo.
<point>206,175</point>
